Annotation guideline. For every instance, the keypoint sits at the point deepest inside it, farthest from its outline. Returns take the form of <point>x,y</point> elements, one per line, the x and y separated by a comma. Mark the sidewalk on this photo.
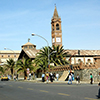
<point>39,80</point>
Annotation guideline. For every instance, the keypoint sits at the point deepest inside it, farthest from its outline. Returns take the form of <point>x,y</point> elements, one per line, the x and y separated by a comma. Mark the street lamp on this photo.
<point>47,44</point>
<point>48,48</point>
<point>50,54</point>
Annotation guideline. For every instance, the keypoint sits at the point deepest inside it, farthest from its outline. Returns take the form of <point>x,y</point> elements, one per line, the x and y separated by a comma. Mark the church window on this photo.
<point>57,26</point>
<point>30,47</point>
<point>89,60</point>
<point>79,60</point>
<point>15,55</point>
<point>25,47</point>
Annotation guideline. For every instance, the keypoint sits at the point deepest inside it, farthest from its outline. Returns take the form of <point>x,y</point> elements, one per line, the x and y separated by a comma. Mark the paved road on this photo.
<point>40,91</point>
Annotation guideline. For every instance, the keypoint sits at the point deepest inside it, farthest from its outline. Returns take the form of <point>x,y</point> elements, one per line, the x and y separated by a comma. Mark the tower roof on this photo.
<point>28,43</point>
<point>55,15</point>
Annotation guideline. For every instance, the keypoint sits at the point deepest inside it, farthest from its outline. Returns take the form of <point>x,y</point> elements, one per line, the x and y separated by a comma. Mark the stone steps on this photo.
<point>64,76</point>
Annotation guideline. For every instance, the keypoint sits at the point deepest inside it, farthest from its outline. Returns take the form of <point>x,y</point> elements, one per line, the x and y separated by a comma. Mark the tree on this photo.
<point>41,63</point>
<point>1,69</point>
<point>41,60</point>
<point>22,65</point>
<point>58,58</point>
<point>10,65</point>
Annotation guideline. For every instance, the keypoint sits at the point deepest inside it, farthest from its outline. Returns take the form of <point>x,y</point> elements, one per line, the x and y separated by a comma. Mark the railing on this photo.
<point>75,67</point>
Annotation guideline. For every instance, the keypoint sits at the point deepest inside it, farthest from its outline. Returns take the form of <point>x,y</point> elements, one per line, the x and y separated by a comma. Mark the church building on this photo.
<point>87,57</point>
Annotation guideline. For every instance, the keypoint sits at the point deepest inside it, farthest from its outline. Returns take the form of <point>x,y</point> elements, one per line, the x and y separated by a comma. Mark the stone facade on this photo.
<point>83,71</point>
<point>85,74</point>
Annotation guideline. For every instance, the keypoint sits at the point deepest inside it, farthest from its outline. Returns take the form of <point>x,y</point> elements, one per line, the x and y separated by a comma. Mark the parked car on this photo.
<point>4,78</point>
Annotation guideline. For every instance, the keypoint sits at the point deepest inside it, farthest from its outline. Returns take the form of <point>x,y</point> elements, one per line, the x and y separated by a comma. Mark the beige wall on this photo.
<point>75,60</point>
<point>5,55</point>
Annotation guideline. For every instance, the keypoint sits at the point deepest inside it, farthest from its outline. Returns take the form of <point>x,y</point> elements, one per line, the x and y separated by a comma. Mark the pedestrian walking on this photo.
<point>9,77</point>
<point>70,78</point>
<point>57,76</point>
<point>91,78</point>
<point>29,76</point>
<point>32,75</point>
<point>43,77</point>
<point>51,77</point>
<point>17,76</point>
<point>14,77</point>
<point>54,76</point>
<point>35,75</point>
<point>47,77</point>
<point>98,91</point>
<point>77,79</point>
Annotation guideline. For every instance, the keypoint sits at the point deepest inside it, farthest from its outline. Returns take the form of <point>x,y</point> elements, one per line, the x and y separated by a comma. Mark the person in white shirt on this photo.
<point>43,77</point>
<point>29,76</point>
<point>70,78</point>
<point>57,76</point>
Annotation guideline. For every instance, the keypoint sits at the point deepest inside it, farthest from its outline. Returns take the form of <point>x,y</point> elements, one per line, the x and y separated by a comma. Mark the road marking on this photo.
<point>63,94</point>
<point>90,98</point>
<point>44,91</point>
<point>29,88</point>
<point>67,85</point>
<point>20,87</point>
<point>10,85</point>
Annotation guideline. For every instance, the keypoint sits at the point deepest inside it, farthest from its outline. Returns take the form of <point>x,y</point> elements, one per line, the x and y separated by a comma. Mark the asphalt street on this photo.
<point>11,90</point>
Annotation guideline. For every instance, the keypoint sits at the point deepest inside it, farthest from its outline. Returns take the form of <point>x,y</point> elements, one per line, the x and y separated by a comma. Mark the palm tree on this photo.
<point>10,65</point>
<point>41,63</point>
<point>1,69</point>
<point>22,65</point>
<point>58,58</point>
<point>41,59</point>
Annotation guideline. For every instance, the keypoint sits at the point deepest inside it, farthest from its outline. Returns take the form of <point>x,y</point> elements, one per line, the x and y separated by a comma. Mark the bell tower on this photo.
<point>56,31</point>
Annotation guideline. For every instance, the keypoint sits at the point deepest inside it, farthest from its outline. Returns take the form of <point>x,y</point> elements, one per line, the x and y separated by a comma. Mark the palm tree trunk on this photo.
<point>12,73</point>
<point>25,75</point>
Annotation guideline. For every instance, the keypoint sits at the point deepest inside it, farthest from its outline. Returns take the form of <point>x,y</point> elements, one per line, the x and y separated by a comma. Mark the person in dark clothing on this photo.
<point>32,75</point>
<point>43,77</point>
<point>91,78</point>
<point>51,77</point>
<point>17,77</point>
<point>98,92</point>
<point>77,79</point>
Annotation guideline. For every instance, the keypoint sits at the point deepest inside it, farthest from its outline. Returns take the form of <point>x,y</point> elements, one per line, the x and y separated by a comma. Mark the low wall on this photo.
<point>85,74</point>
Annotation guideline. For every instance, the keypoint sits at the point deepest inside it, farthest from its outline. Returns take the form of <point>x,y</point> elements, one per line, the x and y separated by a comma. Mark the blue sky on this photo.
<point>80,23</point>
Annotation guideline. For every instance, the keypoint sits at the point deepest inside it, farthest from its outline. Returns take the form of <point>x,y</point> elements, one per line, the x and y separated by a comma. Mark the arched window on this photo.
<point>79,60</point>
<point>14,55</point>
<point>89,60</point>
<point>57,26</point>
